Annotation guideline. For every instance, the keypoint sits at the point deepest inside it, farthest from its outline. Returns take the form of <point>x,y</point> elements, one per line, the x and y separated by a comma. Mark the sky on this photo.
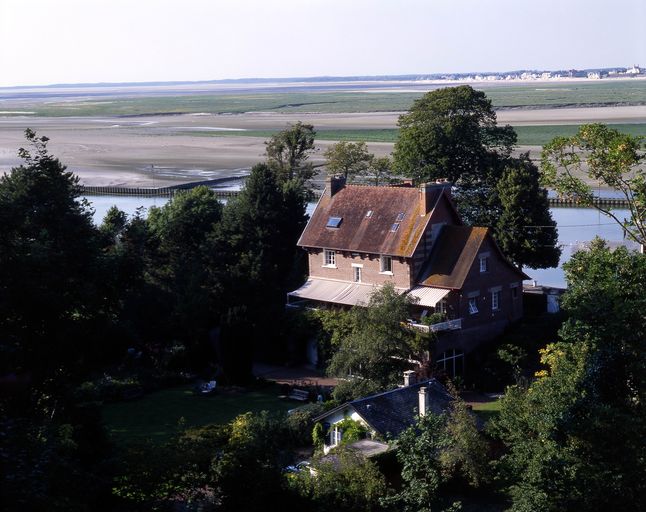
<point>86,41</point>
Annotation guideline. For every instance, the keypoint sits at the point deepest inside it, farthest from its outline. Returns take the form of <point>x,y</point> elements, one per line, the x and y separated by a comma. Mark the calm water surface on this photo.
<point>575,225</point>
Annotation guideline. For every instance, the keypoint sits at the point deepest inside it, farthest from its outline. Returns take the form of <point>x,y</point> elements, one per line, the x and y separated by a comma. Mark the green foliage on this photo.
<point>575,436</point>
<point>418,451</point>
<point>380,169</point>
<point>451,133</point>
<point>318,436</point>
<point>378,346</point>
<point>352,430</point>
<point>52,293</point>
<point>601,155</point>
<point>350,159</point>
<point>287,152</point>
<point>525,231</point>
<point>353,388</point>
<point>345,482</point>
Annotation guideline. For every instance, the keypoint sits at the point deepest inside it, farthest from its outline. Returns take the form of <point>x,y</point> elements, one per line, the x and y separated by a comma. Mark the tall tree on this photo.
<point>288,150</point>
<point>598,154</point>
<point>378,347</point>
<point>256,250</point>
<point>451,133</point>
<point>50,267</point>
<point>380,169</point>
<point>348,158</point>
<point>525,231</point>
<point>181,256</point>
<point>575,437</point>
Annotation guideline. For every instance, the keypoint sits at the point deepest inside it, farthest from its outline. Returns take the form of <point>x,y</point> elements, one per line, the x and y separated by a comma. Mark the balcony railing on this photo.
<point>449,325</point>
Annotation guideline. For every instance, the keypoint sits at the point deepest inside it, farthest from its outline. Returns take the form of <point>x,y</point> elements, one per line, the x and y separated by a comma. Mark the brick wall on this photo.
<point>370,268</point>
<point>499,276</point>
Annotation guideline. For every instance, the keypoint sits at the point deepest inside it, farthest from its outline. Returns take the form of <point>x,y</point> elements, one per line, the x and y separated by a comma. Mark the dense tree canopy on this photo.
<point>378,348</point>
<point>451,133</point>
<point>575,437</point>
<point>51,295</point>
<point>288,150</point>
<point>349,159</point>
<point>525,231</point>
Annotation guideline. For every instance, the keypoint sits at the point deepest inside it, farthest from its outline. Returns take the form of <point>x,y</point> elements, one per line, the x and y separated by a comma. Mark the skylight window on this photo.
<point>334,222</point>
<point>400,217</point>
<point>368,214</point>
<point>394,227</point>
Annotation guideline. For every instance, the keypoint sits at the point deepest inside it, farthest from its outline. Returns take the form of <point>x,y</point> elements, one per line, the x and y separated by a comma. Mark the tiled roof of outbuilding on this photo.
<point>372,234</point>
<point>391,412</point>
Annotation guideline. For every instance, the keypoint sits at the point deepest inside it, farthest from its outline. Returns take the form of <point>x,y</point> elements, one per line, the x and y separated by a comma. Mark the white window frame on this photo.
<point>356,273</point>
<point>495,300</point>
<point>383,266</point>
<point>329,258</point>
<point>484,264</point>
<point>448,358</point>
<point>473,305</point>
<point>442,306</point>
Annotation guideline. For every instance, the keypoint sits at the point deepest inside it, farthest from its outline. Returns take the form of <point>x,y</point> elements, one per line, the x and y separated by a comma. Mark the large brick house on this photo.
<point>361,237</point>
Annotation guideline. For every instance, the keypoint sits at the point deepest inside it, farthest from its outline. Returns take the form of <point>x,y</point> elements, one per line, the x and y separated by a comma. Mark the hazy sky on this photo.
<point>71,41</point>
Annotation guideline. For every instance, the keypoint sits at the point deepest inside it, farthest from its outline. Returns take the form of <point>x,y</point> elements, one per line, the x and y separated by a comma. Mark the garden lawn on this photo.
<point>159,415</point>
<point>487,410</point>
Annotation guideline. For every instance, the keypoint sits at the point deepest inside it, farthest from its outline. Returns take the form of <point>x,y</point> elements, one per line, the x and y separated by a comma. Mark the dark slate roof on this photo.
<point>392,412</point>
<point>454,254</point>
<point>374,235</point>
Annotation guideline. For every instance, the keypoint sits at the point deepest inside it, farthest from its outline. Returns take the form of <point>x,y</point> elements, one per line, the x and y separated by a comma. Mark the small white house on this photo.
<point>386,415</point>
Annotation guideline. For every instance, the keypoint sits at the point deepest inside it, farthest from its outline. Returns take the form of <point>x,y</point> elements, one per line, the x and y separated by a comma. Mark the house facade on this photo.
<point>362,237</point>
<point>386,415</point>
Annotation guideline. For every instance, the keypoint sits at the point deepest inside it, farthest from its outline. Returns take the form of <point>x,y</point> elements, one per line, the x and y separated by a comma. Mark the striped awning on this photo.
<point>337,292</point>
<point>427,295</point>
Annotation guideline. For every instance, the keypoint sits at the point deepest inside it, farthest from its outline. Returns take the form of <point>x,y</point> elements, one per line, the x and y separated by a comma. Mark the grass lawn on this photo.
<point>486,410</point>
<point>156,416</point>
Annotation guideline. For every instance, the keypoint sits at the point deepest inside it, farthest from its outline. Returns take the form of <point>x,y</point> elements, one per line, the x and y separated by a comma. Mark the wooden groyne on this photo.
<point>604,202</point>
<point>169,191</point>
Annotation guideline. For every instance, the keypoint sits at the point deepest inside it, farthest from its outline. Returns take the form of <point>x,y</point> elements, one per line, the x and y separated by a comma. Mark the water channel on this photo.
<point>576,226</point>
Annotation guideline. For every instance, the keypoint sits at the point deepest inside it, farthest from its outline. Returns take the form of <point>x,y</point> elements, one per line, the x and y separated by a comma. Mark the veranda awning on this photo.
<point>337,292</point>
<point>427,295</point>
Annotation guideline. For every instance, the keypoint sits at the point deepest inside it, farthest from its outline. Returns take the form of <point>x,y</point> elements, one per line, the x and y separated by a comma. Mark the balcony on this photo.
<point>448,325</point>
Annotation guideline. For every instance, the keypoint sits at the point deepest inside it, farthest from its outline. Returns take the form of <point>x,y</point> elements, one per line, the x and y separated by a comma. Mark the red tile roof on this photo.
<point>374,235</point>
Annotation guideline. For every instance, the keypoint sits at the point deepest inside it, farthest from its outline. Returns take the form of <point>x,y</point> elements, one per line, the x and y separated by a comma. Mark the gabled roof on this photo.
<point>454,254</point>
<point>371,233</point>
<point>392,412</point>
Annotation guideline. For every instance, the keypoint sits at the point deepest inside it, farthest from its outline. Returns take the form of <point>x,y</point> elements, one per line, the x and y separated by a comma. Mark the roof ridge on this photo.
<point>358,400</point>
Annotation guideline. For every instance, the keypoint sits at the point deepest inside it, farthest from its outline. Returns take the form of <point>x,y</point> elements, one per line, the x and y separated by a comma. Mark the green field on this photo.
<point>538,135</point>
<point>508,96</point>
<point>157,416</point>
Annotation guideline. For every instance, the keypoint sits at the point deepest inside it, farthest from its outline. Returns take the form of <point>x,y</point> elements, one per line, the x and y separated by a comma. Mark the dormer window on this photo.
<point>368,214</point>
<point>400,217</point>
<point>334,222</point>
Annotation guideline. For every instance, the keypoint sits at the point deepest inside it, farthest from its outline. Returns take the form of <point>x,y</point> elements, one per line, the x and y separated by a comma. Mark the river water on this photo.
<point>576,226</point>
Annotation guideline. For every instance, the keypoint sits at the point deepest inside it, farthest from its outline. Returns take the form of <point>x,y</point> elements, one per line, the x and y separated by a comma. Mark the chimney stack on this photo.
<point>423,401</point>
<point>426,195</point>
<point>410,378</point>
<point>333,184</point>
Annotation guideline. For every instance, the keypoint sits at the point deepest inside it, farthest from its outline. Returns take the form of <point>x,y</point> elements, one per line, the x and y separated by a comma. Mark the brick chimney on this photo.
<point>333,184</point>
<point>410,378</point>
<point>423,401</point>
<point>426,192</point>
